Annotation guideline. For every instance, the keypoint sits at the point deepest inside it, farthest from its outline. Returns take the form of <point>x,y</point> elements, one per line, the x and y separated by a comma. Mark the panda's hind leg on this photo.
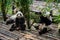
<point>13,27</point>
<point>43,31</point>
<point>23,27</point>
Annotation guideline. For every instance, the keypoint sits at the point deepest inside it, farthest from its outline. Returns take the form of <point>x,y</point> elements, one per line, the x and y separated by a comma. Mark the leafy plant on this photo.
<point>56,19</point>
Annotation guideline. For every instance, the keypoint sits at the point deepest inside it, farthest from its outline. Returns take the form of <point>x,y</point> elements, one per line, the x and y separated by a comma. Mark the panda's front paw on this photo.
<point>11,29</point>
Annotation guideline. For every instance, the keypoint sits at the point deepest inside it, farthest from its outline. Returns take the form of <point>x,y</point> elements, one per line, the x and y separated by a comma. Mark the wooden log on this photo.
<point>9,34</point>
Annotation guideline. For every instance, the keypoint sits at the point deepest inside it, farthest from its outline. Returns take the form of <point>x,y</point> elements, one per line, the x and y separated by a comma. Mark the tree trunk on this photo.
<point>28,23</point>
<point>28,20</point>
<point>12,9</point>
<point>3,7</point>
<point>13,6</point>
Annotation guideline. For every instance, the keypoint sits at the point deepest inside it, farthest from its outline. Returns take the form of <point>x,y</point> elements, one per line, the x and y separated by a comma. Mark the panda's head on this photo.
<point>19,14</point>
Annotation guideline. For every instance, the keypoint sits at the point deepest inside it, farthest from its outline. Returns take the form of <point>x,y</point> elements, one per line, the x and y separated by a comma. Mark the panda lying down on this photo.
<point>11,19</point>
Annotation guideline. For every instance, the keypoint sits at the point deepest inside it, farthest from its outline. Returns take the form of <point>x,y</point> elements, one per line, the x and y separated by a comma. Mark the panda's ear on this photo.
<point>16,11</point>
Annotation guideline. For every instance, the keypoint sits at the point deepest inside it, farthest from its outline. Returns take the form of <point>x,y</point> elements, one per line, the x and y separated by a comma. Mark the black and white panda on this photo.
<point>11,19</point>
<point>19,23</point>
<point>46,22</point>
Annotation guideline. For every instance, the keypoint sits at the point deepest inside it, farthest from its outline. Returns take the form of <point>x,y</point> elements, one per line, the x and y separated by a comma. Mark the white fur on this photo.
<point>19,12</point>
<point>15,15</point>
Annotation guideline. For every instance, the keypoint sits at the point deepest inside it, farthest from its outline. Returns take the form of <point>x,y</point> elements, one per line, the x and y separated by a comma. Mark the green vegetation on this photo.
<point>24,5</point>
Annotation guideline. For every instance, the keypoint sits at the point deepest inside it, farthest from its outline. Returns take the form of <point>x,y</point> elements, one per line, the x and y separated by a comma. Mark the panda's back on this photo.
<point>13,17</point>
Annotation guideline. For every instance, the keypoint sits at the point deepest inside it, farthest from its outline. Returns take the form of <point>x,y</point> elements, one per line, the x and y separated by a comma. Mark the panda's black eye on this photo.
<point>20,15</point>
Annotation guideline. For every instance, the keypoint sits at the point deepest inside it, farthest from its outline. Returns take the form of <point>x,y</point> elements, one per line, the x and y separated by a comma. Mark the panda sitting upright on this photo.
<point>19,23</point>
<point>44,23</point>
<point>11,19</point>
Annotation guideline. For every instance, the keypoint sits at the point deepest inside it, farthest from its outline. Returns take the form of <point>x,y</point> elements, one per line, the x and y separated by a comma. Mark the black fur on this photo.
<point>43,31</point>
<point>45,20</point>
<point>19,23</point>
<point>13,27</point>
<point>9,21</point>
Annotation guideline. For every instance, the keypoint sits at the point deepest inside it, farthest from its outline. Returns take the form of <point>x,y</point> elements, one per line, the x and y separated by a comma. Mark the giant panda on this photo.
<point>11,19</point>
<point>47,22</point>
<point>19,23</point>
<point>44,21</point>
